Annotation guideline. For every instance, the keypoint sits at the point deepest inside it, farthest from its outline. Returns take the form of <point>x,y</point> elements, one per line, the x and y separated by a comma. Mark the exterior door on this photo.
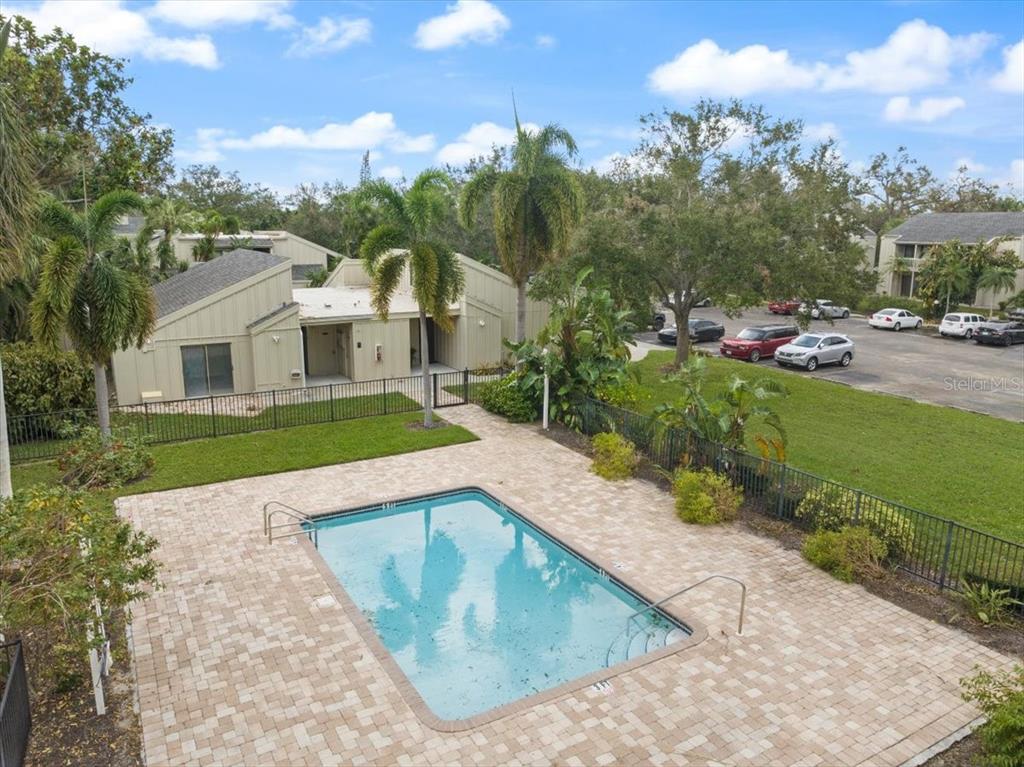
<point>207,369</point>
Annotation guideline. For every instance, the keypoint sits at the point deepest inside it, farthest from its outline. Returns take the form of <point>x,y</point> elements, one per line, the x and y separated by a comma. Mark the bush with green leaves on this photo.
<point>987,603</point>
<point>39,380</point>
<point>1000,696</point>
<point>94,461</point>
<point>508,398</point>
<point>705,497</point>
<point>627,395</point>
<point>872,303</point>
<point>831,508</point>
<point>615,457</point>
<point>58,552</point>
<point>850,553</point>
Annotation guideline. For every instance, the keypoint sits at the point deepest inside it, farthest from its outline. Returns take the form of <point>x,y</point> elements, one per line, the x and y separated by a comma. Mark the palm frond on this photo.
<point>380,241</point>
<point>474,191</point>
<point>423,274</point>
<point>386,277</point>
<point>105,212</point>
<point>432,178</point>
<point>58,220</point>
<point>510,223</point>
<point>58,279</point>
<point>110,304</point>
<point>553,135</point>
<point>387,197</point>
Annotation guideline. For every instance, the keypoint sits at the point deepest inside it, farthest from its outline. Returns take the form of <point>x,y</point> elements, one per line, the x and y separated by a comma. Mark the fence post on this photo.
<point>782,492</point>
<point>213,418</point>
<point>433,383</point>
<point>944,572</point>
<point>145,417</point>
<point>384,389</point>
<point>273,405</point>
<point>465,386</point>
<point>856,508</point>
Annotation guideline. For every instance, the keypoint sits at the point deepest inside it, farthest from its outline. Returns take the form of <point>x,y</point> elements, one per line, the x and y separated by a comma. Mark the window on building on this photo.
<point>207,369</point>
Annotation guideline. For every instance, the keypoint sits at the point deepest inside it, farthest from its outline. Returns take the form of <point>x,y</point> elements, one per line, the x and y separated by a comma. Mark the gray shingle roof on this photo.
<point>203,280</point>
<point>966,227</point>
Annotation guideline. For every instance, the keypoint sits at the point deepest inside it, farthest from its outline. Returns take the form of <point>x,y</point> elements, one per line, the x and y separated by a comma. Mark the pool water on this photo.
<point>478,607</point>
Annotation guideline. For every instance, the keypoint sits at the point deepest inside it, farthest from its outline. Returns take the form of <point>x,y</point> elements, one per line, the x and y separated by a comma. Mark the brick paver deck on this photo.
<point>242,660</point>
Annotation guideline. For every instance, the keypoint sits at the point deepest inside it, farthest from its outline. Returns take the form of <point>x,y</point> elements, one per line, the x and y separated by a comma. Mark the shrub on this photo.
<point>704,497</point>
<point>626,395</point>
<point>507,398</point>
<point>57,554</point>
<point>615,457</point>
<point>831,508</point>
<point>988,604</point>
<point>1000,696</point>
<point>847,553</point>
<point>39,380</point>
<point>92,461</point>
<point>873,303</point>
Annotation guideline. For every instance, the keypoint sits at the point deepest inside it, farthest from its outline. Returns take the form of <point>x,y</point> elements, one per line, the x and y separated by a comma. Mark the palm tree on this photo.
<point>85,293</point>
<point>18,208</point>
<point>169,217</point>
<point>998,279</point>
<point>950,276</point>
<point>898,268</point>
<point>404,241</point>
<point>537,204</point>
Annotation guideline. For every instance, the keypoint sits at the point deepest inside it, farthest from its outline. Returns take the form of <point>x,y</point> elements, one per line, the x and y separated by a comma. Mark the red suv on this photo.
<point>757,342</point>
<point>784,306</point>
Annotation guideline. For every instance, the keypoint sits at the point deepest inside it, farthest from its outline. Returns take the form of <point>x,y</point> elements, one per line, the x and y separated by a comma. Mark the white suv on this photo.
<point>962,325</point>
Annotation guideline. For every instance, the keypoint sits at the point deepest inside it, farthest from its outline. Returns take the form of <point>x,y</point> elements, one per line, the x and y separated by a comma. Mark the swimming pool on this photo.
<point>478,607</point>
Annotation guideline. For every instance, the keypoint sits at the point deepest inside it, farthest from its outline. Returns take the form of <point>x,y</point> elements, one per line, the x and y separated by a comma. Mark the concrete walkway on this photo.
<point>245,658</point>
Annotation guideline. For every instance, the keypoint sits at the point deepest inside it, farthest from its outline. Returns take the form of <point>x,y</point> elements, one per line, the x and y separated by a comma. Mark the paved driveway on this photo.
<point>245,658</point>
<point>943,371</point>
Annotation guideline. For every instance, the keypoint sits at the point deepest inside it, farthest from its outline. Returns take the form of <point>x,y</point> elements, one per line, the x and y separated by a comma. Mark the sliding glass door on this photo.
<point>207,369</point>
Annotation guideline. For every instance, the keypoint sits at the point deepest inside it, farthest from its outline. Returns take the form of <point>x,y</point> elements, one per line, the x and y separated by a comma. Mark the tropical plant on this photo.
<point>18,208</point>
<point>537,203</point>
<point>212,226</point>
<point>506,398</point>
<point>848,553</point>
<point>726,419</point>
<point>318,277</point>
<point>832,507</point>
<point>1000,696</point>
<point>91,460</point>
<point>705,497</point>
<point>952,271</point>
<point>582,349</point>
<point>988,603</point>
<point>404,241</point>
<point>168,217</point>
<point>998,279</point>
<point>615,457</point>
<point>85,294</point>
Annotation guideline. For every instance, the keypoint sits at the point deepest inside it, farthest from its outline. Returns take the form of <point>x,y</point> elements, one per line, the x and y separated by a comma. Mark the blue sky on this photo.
<point>286,92</point>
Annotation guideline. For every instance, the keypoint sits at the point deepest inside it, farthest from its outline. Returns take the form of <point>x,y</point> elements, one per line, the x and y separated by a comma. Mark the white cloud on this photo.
<point>110,27</point>
<point>1011,79</point>
<point>205,149</point>
<point>916,55</point>
<point>478,141</point>
<point>391,173</point>
<point>370,131</point>
<point>822,131</point>
<point>901,109</point>
<point>970,165</point>
<point>467,21</point>
<point>706,68</point>
<point>330,36</point>
<point>206,14</point>
<point>1011,179</point>
<point>545,41</point>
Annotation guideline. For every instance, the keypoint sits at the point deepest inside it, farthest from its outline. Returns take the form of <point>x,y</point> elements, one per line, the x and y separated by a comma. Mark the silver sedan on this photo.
<point>813,349</point>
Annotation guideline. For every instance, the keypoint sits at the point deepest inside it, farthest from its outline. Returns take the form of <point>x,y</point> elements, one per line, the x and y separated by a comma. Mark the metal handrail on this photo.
<point>288,511</point>
<point>673,595</point>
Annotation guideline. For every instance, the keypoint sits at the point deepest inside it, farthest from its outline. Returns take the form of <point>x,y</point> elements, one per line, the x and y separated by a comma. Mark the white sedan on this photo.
<point>895,319</point>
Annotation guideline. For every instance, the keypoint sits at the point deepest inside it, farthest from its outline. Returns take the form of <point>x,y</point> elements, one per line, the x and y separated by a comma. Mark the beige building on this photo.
<point>910,243</point>
<point>239,323</point>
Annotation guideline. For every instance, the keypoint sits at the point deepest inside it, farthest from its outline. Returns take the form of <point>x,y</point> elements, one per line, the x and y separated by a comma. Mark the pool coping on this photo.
<point>405,686</point>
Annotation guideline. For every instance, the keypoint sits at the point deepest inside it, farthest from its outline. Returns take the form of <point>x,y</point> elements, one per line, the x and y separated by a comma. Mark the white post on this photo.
<point>547,386</point>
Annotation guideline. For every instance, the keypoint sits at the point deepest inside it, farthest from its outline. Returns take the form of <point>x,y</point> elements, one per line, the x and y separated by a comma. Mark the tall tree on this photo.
<point>893,188</point>
<point>965,193</point>
<point>18,207</point>
<point>205,187</point>
<point>168,217</point>
<point>71,99</point>
<point>537,204</point>
<point>85,294</point>
<point>998,279</point>
<point>406,241</point>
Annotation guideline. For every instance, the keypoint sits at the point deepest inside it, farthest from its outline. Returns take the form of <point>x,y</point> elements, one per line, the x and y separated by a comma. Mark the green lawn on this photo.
<point>201,462</point>
<point>957,465</point>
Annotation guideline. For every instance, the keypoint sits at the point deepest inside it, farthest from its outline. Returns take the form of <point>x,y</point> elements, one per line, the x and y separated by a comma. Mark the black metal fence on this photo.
<point>15,717</point>
<point>41,436</point>
<point>935,549</point>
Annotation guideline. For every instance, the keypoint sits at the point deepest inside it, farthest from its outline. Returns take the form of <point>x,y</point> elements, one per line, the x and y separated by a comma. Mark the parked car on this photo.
<point>700,330</point>
<point>757,342</point>
<point>895,319</point>
<point>659,320</point>
<point>960,324</point>
<point>784,306</point>
<point>813,349</point>
<point>821,309</point>
<point>1000,333</point>
<point>1017,313</point>
<point>661,316</point>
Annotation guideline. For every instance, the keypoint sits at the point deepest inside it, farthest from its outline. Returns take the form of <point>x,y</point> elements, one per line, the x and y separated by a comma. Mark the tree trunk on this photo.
<point>428,407</point>
<point>681,310</point>
<point>521,312</point>
<point>5,449</point>
<point>99,377</point>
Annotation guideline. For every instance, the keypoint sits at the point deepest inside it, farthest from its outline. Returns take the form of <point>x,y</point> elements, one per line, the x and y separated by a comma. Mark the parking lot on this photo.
<point>943,371</point>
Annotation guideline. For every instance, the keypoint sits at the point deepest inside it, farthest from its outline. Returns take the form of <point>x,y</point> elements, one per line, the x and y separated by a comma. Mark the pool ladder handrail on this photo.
<point>673,595</point>
<point>295,516</point>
